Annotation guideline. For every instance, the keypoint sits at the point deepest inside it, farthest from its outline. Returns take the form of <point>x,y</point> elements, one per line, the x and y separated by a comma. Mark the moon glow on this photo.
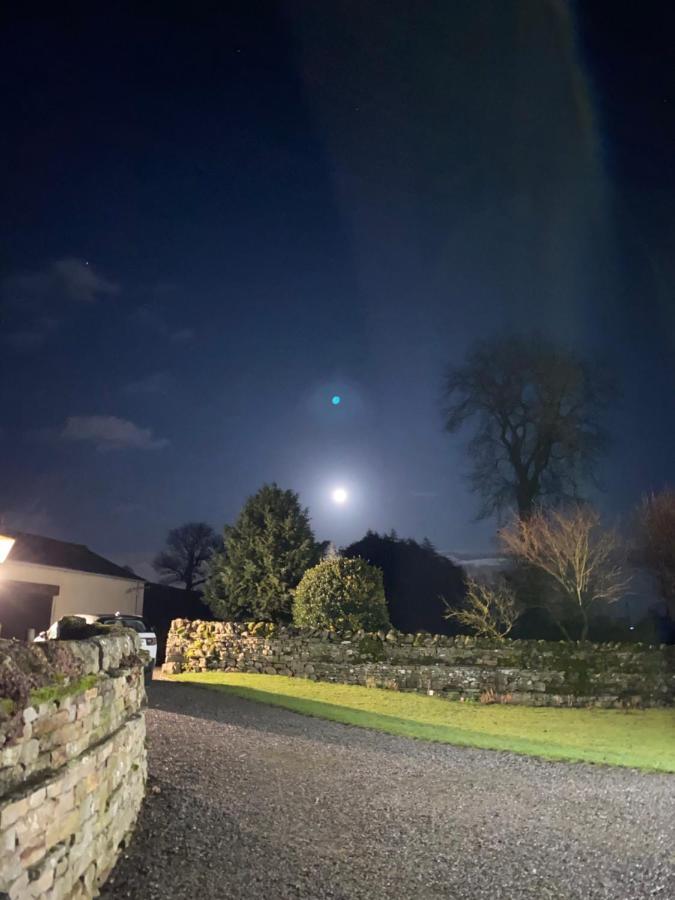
<point>339,496</point>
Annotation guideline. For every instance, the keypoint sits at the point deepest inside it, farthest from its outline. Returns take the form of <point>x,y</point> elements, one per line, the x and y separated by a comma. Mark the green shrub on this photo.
<point>341,594</point>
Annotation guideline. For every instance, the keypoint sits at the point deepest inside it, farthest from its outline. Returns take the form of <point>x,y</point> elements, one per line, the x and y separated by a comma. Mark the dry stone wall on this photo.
<point>537,673</point>
<point>72,767</point>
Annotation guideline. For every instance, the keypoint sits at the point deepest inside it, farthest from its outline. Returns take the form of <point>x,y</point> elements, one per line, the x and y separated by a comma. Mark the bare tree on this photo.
<point>577,555</point>
<point>537,411</point>
<point>188,551</point>
<point>490,610</point>
<point>657,521</point>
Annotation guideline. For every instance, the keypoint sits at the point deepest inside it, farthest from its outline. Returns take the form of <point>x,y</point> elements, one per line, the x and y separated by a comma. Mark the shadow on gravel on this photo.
<point>223,706</point>
<point>243,710</point>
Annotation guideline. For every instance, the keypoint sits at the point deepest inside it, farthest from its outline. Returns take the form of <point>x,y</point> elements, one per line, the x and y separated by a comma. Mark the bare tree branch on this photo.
<point>579,557</point>
<point>490,610</point>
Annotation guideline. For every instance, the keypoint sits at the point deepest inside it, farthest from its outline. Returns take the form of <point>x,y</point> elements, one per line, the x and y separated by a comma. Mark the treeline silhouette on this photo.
<point>417,581</point>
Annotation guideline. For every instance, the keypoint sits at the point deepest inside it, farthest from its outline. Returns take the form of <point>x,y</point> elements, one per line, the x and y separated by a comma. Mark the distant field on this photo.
<point>642,739</point>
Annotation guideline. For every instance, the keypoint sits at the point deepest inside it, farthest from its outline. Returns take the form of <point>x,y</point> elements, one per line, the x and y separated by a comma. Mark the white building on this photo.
<point>43,579</point>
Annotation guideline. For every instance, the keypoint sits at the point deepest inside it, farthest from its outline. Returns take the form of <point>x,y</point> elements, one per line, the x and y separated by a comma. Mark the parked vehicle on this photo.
<point>147,635</point>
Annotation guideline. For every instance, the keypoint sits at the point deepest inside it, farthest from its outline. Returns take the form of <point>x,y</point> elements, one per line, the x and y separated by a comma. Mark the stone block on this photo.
<point>82,710</point>
<point>12,811</point>
<point>63,804</point>
<point>10,776</point>
<point>10,868</point>
<point>7,841</point>
<point>62,829</point>
<point>30,751</point>
<point>30,855</point>
<point>58,757</point>
<point>30,714</point>
<point>49,722</point>
<point>37,797</point>
<point>31,825</point>
<point>46,709</point>
<point>43,882</point>
<point>19,889</point>
<point>89,879</point>
<point>55,788</point>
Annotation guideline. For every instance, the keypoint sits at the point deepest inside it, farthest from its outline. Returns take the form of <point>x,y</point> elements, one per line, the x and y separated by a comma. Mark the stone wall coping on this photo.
<point>272,630</point>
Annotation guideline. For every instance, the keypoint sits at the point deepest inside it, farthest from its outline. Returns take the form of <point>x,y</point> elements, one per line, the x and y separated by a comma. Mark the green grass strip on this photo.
<point>643,739</point>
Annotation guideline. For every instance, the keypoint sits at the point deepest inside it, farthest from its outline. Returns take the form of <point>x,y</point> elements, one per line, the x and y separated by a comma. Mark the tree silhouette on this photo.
<point>536,410</point>
<point>417,581</point>
<point>657,538</point>
<point>186,556</point>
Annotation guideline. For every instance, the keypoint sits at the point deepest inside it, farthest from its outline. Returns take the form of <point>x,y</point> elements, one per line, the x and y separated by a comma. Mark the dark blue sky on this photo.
<point>215,219</point>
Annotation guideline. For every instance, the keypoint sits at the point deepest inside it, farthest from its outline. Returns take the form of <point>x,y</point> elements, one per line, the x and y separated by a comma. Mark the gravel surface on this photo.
<point>246,800</point>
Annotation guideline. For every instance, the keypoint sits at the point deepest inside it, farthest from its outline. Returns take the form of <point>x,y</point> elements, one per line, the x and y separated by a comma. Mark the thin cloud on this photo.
<point>182,335</point>
<point>127,508</point>
<point>25,340</point>
<point>424,494</point>
<point>29,300</point>
<point>81,282</point>
<point>154,383</point>
<point>32,336</point>
<point>111,433</point>
<point>153,319</point>
<point>65,279</point>
<point>31,516</point>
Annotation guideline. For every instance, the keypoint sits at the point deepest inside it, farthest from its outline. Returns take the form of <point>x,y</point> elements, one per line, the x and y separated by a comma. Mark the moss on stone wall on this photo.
<point>370,648</point>
<point>62,689</point>
<point>537,672</point>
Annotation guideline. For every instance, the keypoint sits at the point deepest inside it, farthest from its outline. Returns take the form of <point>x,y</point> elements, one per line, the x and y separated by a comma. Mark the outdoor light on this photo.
<point>336,400</point>
<point>6,544</point>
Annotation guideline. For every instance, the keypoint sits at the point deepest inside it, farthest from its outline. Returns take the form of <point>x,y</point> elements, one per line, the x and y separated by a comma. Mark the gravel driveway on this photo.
<point>246,800</point>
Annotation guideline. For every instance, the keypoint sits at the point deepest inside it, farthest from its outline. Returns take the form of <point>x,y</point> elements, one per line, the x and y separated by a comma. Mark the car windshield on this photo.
<point>128,622</point>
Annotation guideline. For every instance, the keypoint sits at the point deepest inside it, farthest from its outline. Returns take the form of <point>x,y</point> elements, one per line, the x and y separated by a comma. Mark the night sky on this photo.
<point>215,219</point>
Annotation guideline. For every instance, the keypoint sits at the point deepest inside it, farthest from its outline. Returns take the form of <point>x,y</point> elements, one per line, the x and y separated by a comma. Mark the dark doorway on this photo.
<point>25,605</point>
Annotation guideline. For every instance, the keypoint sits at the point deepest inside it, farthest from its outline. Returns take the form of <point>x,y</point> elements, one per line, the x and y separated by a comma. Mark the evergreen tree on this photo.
<point>265,555</point>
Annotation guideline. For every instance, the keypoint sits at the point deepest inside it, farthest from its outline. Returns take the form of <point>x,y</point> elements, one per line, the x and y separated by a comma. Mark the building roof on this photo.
<point>44,551</point>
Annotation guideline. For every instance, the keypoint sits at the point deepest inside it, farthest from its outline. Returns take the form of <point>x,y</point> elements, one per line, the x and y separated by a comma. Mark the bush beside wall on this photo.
<point>535,673</point>
<point>72,776</point>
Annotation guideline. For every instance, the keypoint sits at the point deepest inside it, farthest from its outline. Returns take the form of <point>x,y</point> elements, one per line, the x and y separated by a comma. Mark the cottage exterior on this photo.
<point>43,579</point>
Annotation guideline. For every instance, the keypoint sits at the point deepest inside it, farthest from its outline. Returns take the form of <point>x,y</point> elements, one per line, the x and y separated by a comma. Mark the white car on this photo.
<point>146,635</point>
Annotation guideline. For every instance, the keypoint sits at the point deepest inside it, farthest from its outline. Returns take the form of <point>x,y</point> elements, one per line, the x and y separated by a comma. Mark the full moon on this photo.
<point>339,496</point>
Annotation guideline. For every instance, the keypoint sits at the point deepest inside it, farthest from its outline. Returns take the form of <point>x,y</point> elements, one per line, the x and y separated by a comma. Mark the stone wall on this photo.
<point>536,673</point>
<point>72,763</point>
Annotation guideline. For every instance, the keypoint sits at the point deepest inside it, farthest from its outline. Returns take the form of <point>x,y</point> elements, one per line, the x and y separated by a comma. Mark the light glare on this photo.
<point>6,544</point>
<point>339,496</point>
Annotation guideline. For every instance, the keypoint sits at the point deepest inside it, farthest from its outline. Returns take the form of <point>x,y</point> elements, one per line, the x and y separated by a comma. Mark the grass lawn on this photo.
<point>641,738</point>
